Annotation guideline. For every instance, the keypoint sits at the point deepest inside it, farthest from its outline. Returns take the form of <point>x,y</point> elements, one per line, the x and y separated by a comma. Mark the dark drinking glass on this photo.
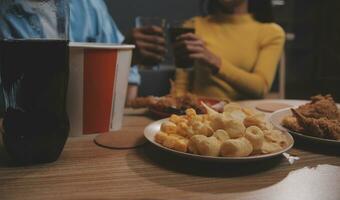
<point>176,31</point>
<point>147,22</point>
<point>34,74</point>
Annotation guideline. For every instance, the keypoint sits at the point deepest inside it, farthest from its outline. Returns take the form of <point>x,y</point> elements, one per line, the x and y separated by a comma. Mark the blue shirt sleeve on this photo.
<point>90,21</point>
<point>108,29</point>
<point>134,76</point>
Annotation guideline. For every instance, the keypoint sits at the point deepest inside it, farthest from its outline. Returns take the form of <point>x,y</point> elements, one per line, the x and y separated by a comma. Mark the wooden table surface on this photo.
<point>86,171</point>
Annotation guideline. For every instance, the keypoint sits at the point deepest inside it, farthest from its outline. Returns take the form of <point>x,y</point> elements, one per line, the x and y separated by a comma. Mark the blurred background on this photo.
<point>312,63</point>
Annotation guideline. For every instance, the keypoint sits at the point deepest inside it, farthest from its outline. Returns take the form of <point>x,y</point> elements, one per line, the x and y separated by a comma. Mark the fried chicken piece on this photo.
<point>191,101</point>
<point>169,104</point>
<point>320,107</point>
<point>142,102</point>
<point>166,101</point>
<point>322,127</point>
<point>151,101</point>
<point>291,123</point>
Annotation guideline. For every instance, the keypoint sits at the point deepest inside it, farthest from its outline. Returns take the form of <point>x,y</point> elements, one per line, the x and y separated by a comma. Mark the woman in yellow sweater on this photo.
<point>236,49</point>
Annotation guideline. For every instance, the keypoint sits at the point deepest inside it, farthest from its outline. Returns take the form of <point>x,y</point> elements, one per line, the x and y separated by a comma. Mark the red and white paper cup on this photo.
<point>97,87</point>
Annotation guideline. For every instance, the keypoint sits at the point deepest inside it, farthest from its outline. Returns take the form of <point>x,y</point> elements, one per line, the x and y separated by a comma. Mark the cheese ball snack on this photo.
<point>221,135</point>
<point>238,132</point>
<point>193,143</point>
<point>209,146</point>
<point>240,147</point>
<point>255,136</point>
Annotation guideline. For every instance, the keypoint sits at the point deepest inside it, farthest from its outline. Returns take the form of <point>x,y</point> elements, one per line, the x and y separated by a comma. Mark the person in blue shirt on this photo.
<point>90,21</point>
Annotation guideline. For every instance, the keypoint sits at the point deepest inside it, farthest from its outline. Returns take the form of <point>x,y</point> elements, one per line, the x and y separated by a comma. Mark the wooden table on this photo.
<point>86,171</point>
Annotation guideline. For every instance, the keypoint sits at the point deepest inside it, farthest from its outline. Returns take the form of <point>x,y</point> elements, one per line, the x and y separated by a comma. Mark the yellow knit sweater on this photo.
<point>249,51</point>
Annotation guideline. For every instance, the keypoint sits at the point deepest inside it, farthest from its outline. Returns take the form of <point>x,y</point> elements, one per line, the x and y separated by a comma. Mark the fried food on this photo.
<point>142,102</point>
<point>255,135</point>
<point>168,104</point>
<point>291,123</point>
<point>322,127</point>
<point>220,134</point>
<point>320,107</point>
<point>172,141</point>
<point>319,118</point>
<point>240,147</point>
<point>203,145</point>
<point>270,147</point>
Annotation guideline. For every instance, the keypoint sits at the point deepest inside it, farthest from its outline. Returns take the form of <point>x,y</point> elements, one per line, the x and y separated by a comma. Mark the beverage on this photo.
<point>34,76</point>
<point>150,21</point>
<point>178,31</point>
<point>147,62</point>
<point>181,62</point>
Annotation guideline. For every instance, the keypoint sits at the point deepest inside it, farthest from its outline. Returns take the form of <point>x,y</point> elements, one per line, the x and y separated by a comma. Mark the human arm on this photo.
<point>257,83</point>
<point>254,84</point>
<point>190,46</point>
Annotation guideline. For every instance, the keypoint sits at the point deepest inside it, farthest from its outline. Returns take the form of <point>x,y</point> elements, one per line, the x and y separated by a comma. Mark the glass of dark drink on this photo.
<point>150,21</point>
<point>34,69</point>
<point>145,22</point>
<point>177,29</point>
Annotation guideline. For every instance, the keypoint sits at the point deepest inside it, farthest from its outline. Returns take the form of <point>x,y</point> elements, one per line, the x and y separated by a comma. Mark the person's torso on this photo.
<point>236,41</point>
<point>30,20</point>
<point>45,10</point>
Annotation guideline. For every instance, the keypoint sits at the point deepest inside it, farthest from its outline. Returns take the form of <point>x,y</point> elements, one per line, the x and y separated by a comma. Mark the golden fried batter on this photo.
<point>322,127</point>
<point>319,118</point>
<point>142,102</point>
<point>321,106</point>
<point>291,123</point>
<point>169,104</point>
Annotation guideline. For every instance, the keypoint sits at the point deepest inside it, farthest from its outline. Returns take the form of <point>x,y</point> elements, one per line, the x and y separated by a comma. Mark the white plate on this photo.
<point>151,130</point>
<point>277,117</point>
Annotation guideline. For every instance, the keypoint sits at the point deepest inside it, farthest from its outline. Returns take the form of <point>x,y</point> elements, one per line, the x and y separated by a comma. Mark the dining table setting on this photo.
<point>147,170</point>
<point>208,119</point>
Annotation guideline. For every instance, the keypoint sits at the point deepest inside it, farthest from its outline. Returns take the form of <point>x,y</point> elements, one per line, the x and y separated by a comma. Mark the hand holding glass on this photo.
<point>149,38</point>
<point>176,30</point>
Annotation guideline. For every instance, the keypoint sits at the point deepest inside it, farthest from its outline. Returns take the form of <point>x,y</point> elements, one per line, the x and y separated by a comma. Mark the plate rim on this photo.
<point>298,134</point>
<point>214,158</point>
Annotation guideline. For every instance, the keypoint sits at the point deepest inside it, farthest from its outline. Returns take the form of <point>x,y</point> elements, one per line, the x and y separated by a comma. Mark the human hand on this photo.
<point>150,45</point>
<point>190,46</point>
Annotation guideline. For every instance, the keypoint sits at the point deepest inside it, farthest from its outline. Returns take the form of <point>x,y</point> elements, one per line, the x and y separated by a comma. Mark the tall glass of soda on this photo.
<point>34,76</point>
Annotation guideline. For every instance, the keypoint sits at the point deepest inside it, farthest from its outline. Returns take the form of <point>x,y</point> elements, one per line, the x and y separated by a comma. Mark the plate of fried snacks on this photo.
<point>237,134</point>
<point>167,105</point>
<point>316,121</point>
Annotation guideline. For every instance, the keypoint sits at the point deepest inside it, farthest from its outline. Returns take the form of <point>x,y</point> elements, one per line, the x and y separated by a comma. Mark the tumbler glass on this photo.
<point>34,73</point>
<point>176,29</point>
<point>148,22</point>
